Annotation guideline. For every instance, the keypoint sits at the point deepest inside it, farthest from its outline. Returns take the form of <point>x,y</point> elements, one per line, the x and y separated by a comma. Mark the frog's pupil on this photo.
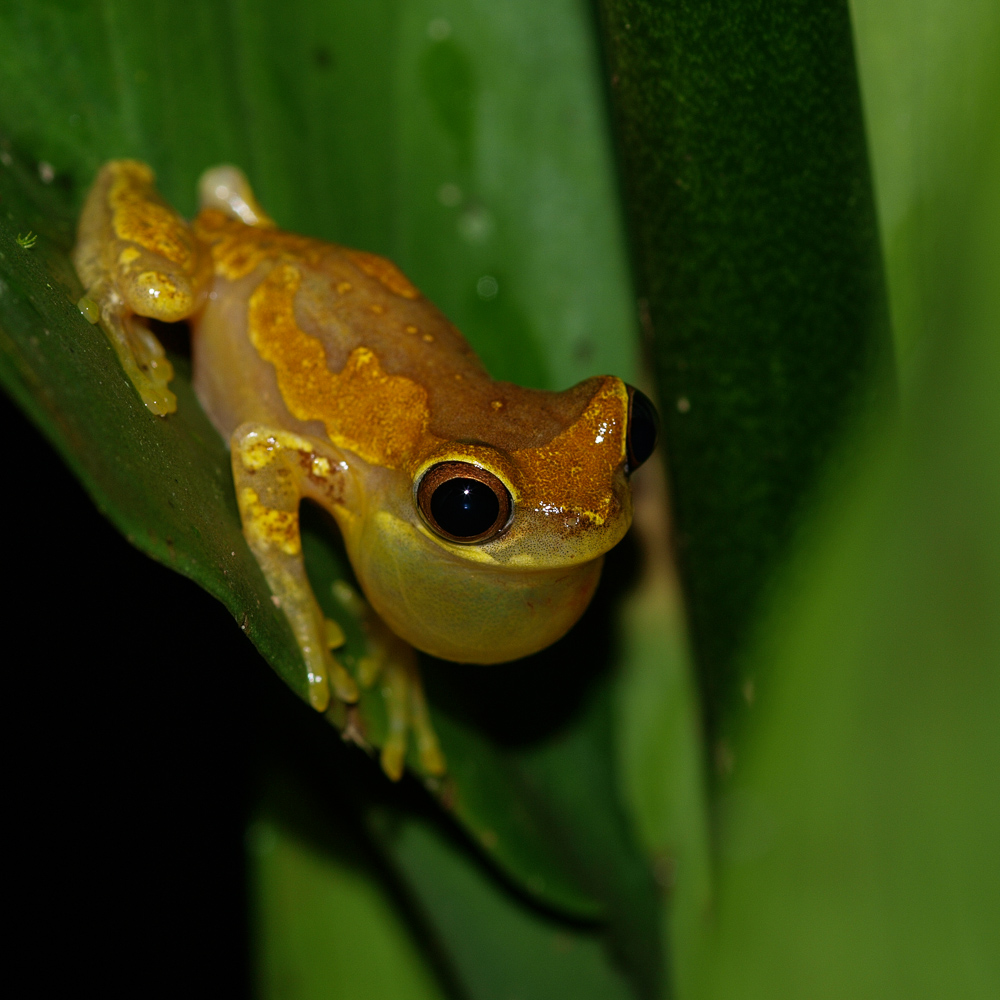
<point>465,507</point>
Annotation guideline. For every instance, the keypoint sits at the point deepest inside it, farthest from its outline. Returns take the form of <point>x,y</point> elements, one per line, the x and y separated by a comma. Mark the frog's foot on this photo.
<point>406,710</point>
<point>140,352</point>
<point>272,471</point>
<point>393,664</point>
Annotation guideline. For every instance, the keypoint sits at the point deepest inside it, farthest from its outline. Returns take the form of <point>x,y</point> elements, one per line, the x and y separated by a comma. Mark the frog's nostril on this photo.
<point>643,428</point>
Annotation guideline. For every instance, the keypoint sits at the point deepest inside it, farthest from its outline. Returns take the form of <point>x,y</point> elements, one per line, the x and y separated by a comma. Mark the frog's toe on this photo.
<point>158,399</point>
<point>369,667</point>
<point>432,760</point>
<point>393,756</point>
<point>319,693</point>
<point>155,374</point>
<point>141,354</point>
<point>344,685</point>
<point>392,664</point>
<point>335,637</point>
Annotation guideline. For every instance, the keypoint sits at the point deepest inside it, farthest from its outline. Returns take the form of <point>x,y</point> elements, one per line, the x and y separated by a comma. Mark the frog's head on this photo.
<point>484,551</point>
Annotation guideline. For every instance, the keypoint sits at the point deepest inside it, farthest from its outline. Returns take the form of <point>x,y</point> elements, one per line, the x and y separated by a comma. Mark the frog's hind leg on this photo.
<point>138,258</point>
<point>392,664</point>
<point>402,690</point>
<point>273,470</point>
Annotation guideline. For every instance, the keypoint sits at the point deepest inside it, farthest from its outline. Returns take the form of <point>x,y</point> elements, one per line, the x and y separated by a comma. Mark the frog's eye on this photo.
<point>643,427</point>
<point>463,502</point>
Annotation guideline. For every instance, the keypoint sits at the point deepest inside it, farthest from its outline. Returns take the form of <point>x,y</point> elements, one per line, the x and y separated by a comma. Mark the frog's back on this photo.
<point>289,318</point>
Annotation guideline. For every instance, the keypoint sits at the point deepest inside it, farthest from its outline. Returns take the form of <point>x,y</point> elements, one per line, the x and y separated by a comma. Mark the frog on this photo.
<point>475,513</point>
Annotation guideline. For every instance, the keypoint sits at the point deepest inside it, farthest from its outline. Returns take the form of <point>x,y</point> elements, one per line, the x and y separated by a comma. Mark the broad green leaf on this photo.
<point>482,935</point>
<point>923,71</point>
<point>661,753</point>
<point>465,144</point>
<point>747,185</point>
<point>860,831</point>
<point>746,181</point>
<point>500,949</point>
<point>325,924</point>
<point>325,894</point>
<point>551,782</point>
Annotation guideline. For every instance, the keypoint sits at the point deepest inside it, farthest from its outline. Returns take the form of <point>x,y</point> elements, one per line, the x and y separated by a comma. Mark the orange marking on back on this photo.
<point>238,248</point>
<point>380,417</point>
<point>140,215</point>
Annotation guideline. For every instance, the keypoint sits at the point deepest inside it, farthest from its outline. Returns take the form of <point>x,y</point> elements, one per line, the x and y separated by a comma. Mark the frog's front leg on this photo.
<point>137,257</point>
<point>273,470</point>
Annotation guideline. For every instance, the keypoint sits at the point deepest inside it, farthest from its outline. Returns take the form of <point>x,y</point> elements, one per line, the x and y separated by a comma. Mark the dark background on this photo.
<point>133,717</point>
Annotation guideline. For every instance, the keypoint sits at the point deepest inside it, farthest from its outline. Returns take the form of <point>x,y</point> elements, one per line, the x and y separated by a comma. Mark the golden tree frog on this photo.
<point>475,513</point>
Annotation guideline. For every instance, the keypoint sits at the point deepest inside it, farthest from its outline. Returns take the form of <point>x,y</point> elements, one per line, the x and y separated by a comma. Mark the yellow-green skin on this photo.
<point>335,379</point>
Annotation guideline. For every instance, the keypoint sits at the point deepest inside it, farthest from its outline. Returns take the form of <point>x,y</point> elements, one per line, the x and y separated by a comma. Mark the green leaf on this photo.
<point>552,959</point>
<point>860,832</point>
<point>325,921</point>
<point>347,135</point>
<point>925,73</point>
<point>323,891</point>
<point>551,784</point>
<point>754,232</point>
<point>747,185</point>
<point>661,752</point>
